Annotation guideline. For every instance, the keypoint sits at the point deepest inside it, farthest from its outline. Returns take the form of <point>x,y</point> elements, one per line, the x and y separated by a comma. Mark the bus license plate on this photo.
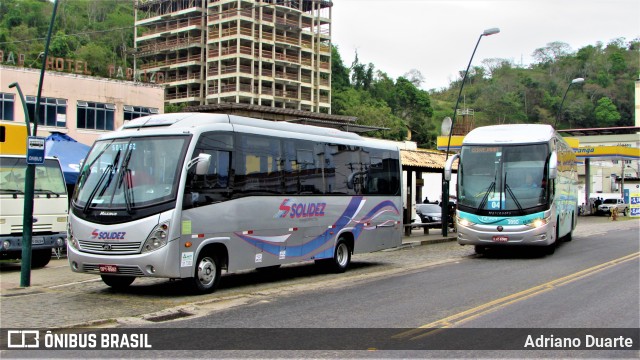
<point>108,269</point>
<point>37,240</point>
<point>500,238</point>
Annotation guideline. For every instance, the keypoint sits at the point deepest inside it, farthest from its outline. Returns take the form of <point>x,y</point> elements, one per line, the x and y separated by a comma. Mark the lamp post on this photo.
<point>30,173</point>
<point>574,81</point>
<point>445,183</point>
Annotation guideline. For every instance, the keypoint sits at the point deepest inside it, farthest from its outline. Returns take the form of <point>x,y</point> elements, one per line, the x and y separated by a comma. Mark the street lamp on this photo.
<point>574,81</point>
<point>30,173</point>
<point>445,183</point>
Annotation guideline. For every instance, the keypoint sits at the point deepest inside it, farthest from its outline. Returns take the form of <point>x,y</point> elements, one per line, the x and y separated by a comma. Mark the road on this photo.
<point>591,282</point>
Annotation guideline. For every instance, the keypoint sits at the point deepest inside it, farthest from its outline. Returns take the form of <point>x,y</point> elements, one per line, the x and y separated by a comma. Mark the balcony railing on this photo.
<point>287,21</point>
<point>263,91</point>
<point>229,69</point>
<point>184,59</point>
<point>265,35</point>
<point>170,44</point>
<point>192,76</point>
<point>183,95</point>
<point>288,40</point>
<point>265,17</point>
<point>289,76</point>
<point>229,13</point>
<point>172,25</point>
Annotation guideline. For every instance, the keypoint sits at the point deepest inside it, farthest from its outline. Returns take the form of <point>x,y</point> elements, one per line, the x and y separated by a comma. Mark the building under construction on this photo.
<point>272,53</point>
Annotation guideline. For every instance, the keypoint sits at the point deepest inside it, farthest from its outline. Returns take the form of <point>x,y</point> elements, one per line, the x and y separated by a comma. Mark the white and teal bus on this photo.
<point>187,195</point>
<point>517,185</point>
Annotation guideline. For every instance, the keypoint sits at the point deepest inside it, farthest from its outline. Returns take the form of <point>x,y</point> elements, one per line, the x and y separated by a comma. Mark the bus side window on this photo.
<point>213,186</point>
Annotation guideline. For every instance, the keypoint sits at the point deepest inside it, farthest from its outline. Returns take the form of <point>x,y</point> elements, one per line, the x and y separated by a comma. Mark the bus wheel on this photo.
<point>207,274</point>
<point>40,258</point>
<point>117,282</point>
<point>341,257</point>
<point>480,250</point>
<point>569,236</point>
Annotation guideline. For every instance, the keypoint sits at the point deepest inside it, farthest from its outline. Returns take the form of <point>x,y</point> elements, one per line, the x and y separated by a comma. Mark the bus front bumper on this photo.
<point>509,236</point>
<point>157,263</point>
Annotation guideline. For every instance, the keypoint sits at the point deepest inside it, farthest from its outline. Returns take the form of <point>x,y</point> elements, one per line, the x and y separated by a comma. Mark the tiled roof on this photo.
<point>431,159</point>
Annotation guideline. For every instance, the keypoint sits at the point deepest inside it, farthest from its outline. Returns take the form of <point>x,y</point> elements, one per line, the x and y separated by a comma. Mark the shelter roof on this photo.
<point>427,159</point>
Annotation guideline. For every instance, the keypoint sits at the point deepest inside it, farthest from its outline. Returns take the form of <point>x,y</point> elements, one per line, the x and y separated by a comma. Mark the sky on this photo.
<point>437,37</point>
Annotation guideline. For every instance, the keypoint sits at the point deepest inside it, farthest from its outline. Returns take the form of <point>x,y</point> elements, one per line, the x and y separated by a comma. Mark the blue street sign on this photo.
<point>35,150</point>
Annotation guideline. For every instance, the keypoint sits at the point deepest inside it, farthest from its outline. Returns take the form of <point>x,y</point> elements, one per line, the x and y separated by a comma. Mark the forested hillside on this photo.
<point>101,34</point>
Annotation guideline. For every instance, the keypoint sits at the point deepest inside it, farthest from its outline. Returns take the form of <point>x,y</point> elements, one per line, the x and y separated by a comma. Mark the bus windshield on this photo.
<point>508,178</point>
<point>48,179</point>
<point>131,172</point>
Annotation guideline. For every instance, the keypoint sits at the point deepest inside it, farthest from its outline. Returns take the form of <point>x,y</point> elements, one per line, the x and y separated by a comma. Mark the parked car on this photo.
<point>430,214</point>
<point>608,204</point>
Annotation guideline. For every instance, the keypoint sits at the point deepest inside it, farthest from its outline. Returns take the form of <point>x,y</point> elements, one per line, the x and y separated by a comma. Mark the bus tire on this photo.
<point>341,256</point>
<point>206,274</point>
<point>480,250</point>
<point>569,236</point>
<point>117,282</point>
<point>40,258</point>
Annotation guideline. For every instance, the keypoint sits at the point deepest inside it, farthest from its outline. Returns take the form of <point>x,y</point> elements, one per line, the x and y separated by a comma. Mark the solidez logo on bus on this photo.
<point>293,209</point>
<point>108,235</point>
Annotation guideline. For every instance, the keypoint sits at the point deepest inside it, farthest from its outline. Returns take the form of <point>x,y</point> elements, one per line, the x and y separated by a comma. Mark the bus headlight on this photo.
<point>71,240</point>
<point>6,244</point>
<point>536,223</point>
<point>157,239</point>
<point>463,222</point>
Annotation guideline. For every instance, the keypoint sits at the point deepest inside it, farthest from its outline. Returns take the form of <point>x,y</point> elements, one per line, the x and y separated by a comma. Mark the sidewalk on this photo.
<point>435,236</point>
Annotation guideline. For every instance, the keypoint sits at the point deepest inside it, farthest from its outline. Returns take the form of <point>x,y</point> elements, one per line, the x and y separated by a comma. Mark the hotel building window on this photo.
<point>6,106</point>
<point>132,112</point>
<point>53,112</point>
<point>95,116</point>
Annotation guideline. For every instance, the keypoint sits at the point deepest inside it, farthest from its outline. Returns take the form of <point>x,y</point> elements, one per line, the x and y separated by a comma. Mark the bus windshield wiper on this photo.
<point>508,191</point>
<point>107,170</point>
<point>83,173</point>
<point>490,189</point>
<point>124,177</point>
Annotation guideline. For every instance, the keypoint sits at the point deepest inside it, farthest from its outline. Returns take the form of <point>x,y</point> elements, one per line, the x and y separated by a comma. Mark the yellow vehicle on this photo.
<point>13,138</point>
<point>50,203</point>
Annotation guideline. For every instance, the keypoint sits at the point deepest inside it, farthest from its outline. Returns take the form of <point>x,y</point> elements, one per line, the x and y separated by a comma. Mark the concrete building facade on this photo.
<point>83,107</point>
<point>255,52</point>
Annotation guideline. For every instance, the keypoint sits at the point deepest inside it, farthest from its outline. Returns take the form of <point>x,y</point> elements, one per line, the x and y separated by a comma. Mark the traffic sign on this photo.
<point>35,150</point>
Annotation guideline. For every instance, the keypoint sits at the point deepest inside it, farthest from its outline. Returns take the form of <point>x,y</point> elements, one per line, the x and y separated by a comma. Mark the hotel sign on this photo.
<point>82,67</point>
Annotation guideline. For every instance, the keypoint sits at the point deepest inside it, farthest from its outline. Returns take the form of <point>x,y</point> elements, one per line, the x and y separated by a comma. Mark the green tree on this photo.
<point>606,113</point>
<point>339,73</point>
